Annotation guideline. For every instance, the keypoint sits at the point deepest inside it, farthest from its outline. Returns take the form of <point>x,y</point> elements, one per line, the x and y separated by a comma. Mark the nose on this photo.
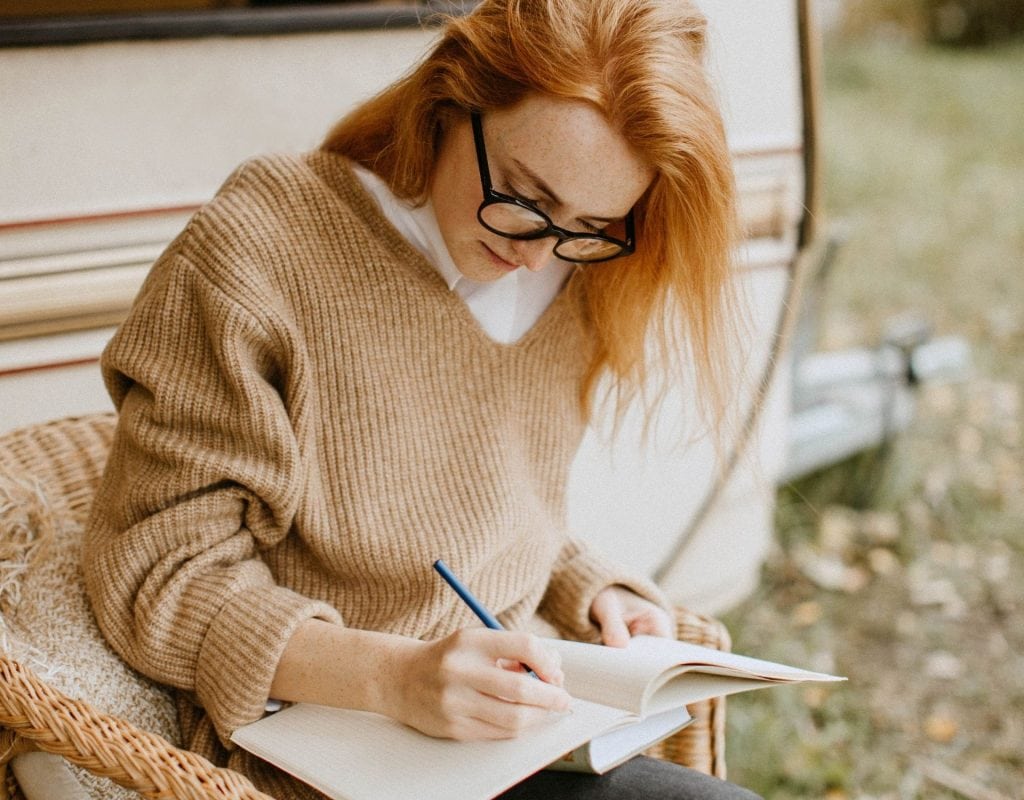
<point>535,254</point>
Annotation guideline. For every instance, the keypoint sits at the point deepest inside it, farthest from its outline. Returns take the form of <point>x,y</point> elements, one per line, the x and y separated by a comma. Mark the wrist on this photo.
<point>332,665</point>
<point>395,676</point>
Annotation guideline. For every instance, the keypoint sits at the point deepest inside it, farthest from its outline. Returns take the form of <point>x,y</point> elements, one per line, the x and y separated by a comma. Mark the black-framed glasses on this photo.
<point>515,218</point>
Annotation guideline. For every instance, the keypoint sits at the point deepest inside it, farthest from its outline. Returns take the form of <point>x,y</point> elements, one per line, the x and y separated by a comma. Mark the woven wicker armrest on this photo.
<point>42,717</point>
<point>64,459</point>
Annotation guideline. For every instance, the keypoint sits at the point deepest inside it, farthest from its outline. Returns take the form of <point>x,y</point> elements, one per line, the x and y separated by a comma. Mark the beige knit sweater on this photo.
<point>308,419</point>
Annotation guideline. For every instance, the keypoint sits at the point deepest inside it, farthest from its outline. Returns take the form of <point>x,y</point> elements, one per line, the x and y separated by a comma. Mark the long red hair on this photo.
<point>641,63</point>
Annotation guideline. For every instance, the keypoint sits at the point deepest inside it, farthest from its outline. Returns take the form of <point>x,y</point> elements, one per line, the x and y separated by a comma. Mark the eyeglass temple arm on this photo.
<point>481,153</point>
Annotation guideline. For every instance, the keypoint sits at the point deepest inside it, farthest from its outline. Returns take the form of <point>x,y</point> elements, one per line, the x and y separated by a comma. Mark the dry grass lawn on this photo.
<point>925,168</point>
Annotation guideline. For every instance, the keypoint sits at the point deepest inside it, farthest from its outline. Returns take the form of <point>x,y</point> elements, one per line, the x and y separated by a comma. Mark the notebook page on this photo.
<point>623,677</point>
<point>613,676</point>
<point>356,755</point>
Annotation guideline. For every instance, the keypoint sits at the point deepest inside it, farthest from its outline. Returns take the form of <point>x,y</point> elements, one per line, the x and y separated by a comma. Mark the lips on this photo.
<point>499,260</point>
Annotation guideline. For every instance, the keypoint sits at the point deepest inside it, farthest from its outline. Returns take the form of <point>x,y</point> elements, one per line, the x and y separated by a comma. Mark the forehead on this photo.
<point>571,146</point>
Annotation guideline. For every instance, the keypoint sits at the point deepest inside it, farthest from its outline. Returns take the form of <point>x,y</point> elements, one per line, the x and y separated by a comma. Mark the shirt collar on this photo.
<point>420,228</point>
<point>434,247</point>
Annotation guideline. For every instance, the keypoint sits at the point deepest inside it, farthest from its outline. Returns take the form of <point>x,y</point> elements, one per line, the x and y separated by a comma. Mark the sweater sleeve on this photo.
<point>579,574</point>
<point>204,473</point>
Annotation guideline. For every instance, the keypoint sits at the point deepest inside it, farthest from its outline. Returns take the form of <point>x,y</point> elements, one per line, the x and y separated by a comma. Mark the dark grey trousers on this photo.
<point>640,778</point>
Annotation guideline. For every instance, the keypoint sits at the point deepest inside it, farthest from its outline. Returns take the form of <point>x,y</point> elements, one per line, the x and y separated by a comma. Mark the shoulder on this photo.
<point>277,217</point>
<point>289,177</point>
<point>280,194</point>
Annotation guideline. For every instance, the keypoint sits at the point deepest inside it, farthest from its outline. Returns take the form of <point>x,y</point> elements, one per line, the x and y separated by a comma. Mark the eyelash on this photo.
<point>520,196</point>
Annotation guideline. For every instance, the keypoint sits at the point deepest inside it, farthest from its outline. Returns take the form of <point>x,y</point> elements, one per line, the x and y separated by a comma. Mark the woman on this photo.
<point>358,360</point>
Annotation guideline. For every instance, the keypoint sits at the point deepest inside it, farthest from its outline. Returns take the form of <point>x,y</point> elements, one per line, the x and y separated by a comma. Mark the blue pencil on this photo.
<point>485,616</point>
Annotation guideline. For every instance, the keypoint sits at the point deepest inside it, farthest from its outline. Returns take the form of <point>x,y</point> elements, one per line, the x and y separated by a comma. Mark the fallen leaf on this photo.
<point>882,527</point>
<point>966,557</point>
<point>825,571</point>
<point>940,728</point>
<point>855,579</point>
<point>882,561</point>
<point>936,486</point>
<point>998,646</point>
<point>837,529</point>
<point>969,441</point>
<point>996,567</point>
<point>807,613</point>
<point>918,516</point>
<point>1006,400</point>
<point>815,696</point>
<point>943,665</point>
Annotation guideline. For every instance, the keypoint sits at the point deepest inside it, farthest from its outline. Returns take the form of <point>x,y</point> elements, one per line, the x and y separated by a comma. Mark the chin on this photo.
<point>486,274</point>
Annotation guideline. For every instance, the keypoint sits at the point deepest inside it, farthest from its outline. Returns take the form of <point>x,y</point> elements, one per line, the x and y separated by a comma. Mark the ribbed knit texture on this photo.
<point>308,419</point>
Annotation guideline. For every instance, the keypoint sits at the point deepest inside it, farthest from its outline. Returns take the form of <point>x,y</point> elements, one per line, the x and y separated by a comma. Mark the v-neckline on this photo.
<point>366,205</point>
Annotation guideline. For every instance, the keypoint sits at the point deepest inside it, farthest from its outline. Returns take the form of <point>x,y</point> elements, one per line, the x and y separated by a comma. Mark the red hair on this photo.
<point>641,63</point>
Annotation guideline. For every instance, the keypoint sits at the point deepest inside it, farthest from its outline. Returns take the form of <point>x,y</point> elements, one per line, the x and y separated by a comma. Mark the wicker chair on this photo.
<point>65,459</point>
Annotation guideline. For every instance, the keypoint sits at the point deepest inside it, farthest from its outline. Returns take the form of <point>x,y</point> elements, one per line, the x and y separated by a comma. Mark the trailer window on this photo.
<point>41,22</point>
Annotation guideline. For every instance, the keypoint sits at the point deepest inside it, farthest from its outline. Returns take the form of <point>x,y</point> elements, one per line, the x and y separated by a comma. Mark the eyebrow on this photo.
<point>554,198</point>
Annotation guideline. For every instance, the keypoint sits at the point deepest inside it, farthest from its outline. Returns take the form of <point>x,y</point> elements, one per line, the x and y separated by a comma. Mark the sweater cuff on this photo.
<point>241,651</point>
<point>575,584</point>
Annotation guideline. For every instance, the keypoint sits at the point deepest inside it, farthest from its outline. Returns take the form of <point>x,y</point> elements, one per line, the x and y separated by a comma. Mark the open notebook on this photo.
<point>625,699</point>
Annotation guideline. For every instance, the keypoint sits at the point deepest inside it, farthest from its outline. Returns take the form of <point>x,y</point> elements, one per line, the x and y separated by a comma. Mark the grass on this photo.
<point>924,150</point>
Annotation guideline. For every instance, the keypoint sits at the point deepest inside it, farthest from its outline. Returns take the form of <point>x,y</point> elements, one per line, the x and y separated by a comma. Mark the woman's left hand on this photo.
<point>621,614</point>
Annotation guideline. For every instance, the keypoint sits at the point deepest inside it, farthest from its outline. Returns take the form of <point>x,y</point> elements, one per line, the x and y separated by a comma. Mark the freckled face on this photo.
<point>560,154</point>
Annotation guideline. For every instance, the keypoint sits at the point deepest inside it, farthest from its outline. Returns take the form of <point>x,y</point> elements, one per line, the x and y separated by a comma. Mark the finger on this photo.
<point>614,631</point>
<point>526,649</point>
<point>607,612</point>
<point>496,718</point>
<point>465,713</point>
<point>653,623</point>
<point>512,718</point>
<point>519,688</point>
<point>475,728</point>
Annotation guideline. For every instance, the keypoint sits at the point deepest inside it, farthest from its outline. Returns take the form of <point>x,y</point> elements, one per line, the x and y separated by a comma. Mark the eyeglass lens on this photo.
<point>515,220</point>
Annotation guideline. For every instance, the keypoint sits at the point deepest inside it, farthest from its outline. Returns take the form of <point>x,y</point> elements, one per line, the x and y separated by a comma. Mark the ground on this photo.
<point>904,569</point>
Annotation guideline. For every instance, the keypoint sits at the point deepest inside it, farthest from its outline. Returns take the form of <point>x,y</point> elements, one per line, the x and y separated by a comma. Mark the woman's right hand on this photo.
<point>471,685</point>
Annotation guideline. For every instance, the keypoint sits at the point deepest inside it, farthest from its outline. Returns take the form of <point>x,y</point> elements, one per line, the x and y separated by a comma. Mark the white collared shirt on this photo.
<point>505,308</point>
